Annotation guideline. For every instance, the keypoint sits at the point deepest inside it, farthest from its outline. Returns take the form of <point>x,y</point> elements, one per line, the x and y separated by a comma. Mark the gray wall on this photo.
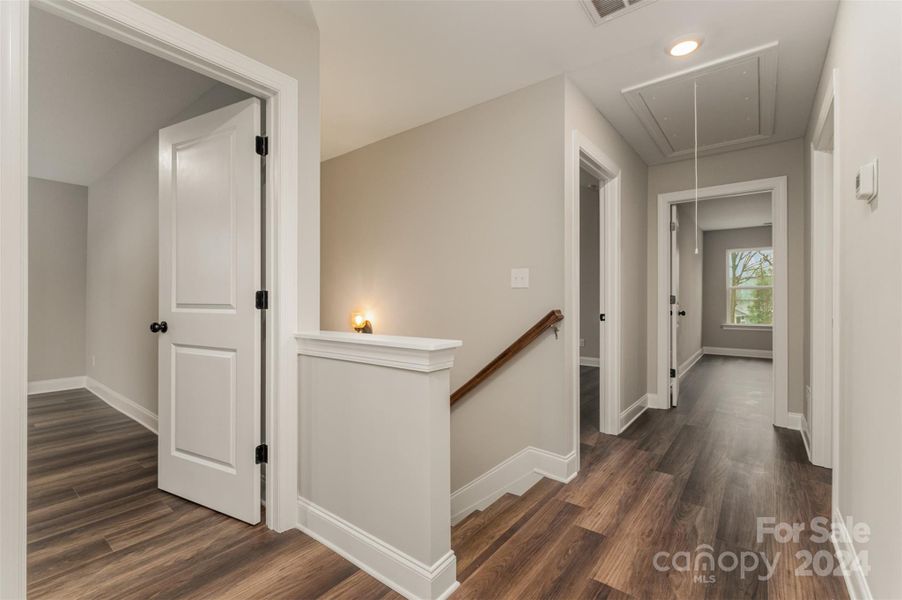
<point>423,229</point>
<point>866,51</point>
<point>689,336</point>
<point>589,205</point>
<point>57,259</point>
<point>123,272</point>
<point>123,277</point>
<point>715,289</point>
<point>785,158</point>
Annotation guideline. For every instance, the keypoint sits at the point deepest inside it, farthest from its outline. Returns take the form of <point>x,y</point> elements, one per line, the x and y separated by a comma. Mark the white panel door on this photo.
<point>675,305</point>
<point>209,351</point>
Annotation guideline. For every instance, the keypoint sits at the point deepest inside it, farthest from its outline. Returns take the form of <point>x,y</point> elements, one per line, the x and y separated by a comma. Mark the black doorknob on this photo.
<point>682,313</point>
<point>160,327</point>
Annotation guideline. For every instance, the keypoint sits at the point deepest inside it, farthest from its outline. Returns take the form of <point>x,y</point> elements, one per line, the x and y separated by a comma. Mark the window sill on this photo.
<point>732,326</point>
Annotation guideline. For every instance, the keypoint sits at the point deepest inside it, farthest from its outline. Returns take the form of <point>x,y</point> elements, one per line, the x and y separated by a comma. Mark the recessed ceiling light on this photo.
<point>685,47</point>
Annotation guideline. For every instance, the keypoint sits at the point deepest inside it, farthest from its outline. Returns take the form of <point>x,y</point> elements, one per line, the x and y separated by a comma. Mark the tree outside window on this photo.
<point>750,286</point>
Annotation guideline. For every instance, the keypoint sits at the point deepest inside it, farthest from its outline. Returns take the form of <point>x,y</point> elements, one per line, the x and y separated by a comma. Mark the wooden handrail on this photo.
<point>522,342</point>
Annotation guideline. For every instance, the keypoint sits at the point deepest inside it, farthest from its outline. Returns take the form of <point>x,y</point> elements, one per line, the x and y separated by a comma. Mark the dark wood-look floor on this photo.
<point>675,480</point>
<point>98,527</point>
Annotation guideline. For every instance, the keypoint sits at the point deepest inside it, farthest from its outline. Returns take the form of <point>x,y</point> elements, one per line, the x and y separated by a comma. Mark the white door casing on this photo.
<point>602,309</point>
<point>210,269</point>
<point>675,305</point>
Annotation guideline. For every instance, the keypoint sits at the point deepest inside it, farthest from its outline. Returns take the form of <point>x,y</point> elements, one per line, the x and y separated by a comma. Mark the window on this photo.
<point>750,286</point>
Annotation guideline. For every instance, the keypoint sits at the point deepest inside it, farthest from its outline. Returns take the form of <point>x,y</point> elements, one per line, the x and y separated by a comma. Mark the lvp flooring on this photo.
<point>98,527</point>
<point>684,480</point>
<point>699,474</point>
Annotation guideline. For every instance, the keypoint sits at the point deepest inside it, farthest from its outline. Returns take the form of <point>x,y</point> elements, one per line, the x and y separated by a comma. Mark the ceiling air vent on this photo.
<point>602,11</point>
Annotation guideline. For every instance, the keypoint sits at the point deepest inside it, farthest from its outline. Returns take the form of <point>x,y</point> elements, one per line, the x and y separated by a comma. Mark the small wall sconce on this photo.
<point>360,323</point>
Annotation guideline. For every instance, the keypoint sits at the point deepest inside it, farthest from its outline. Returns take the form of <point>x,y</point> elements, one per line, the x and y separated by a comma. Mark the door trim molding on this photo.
<point>149,31</point>
<point>581,152</point>
<point>776,186</point>
<point>824,279</point>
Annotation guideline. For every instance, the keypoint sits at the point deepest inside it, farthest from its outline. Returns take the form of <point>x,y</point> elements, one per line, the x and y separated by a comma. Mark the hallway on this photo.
<point>676,480</point>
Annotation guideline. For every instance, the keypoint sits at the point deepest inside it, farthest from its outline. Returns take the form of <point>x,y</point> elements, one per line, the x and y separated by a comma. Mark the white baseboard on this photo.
<point>653,400</point>
<point>853,574</point>
<point>740,352</point>
<point>588,361</point>
<point>396,569</point>
<point>794,421</point>
<point>690,362</point>
<point>805,436</point>
<point>632,412</point>
<point>126,406</point>
<point>62,384</point>
<point>515,475</point>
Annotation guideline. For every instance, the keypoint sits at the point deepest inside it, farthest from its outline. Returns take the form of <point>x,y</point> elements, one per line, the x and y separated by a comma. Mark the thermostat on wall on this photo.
<point>866,181</point>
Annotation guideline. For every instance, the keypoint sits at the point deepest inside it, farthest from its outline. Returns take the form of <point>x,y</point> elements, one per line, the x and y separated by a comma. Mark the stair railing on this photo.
<point>532,334</point>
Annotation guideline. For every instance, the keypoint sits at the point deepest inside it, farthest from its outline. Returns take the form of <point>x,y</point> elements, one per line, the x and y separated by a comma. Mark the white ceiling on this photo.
<point>390,65</point>
<point>734,212</point>
<point>93,99</point>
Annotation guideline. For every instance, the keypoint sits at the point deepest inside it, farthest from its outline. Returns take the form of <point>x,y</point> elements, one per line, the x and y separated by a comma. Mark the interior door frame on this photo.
<point>819,432</point>
<point>583,154</point>
<point>148,31</point>
<point>776,186</point>
<point>673,392</point>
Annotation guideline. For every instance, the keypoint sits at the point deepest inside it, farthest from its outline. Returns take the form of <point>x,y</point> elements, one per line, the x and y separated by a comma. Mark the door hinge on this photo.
<point>672,226</point>
<point>672,299</point>
<point>261,454</point>
<point>262,145</point>
<point>672,373</point>
<point>601,316</point>
<point>262,299</point>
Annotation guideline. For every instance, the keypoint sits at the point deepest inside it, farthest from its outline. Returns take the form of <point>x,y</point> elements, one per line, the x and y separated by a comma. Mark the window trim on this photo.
<point>727,324</point>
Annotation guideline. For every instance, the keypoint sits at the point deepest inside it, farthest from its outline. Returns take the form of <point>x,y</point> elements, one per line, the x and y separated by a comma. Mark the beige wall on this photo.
<point>772,160</point>
<point>689,336</point>
<point>715,289</point>
<point>582,116</point>
<point>589,255</point>
<point>123,277</point>
<point>57,258</point>
<point>423,228</point>
<point>122,271</point>
<point>866,51</point>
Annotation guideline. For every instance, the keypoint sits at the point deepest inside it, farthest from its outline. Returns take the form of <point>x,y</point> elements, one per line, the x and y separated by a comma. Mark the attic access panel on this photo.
<point>736,103</point>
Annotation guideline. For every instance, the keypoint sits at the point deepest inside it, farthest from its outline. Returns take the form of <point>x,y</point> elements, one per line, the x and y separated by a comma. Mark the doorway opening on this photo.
<point>600,187</point>
<point>721,286</point>
<point>147,238</point>
<point>820,417</point>
<point>591,293</point>
<point>746,269</point>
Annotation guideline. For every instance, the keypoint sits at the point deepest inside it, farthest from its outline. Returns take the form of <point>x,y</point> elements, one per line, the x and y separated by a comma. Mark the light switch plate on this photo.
<point>520,278</point>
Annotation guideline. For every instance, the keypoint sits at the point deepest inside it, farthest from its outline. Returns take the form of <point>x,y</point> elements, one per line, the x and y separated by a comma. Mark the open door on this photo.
<point>674,304</point>
<point>209,329</point>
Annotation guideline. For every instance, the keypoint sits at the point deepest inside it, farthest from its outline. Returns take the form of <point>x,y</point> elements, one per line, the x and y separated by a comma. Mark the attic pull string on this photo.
<point>695,126</point>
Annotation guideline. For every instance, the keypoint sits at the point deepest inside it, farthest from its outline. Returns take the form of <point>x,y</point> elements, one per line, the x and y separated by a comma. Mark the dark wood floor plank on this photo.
<point>512,566</point>
<point>691,480</point>
<point>98,527</point>
<point>500,527</point>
